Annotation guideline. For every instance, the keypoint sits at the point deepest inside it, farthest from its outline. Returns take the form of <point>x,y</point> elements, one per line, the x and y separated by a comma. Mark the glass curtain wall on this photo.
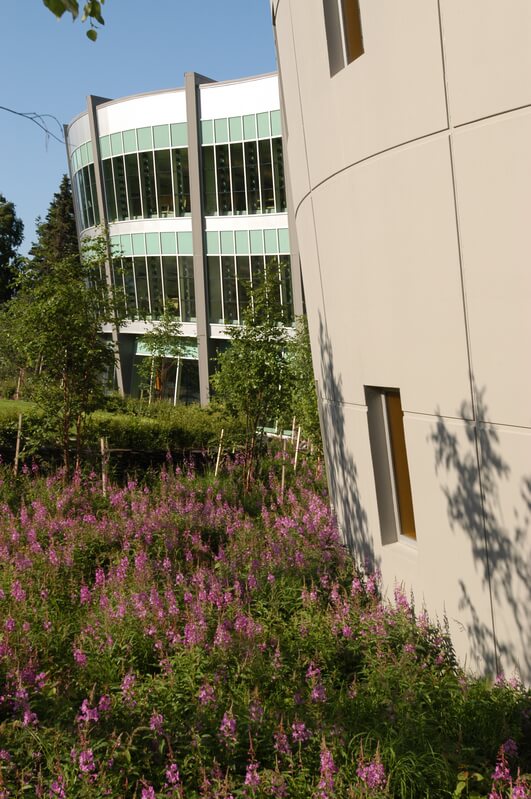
<point>85,192</point>
<point>151,283</point>
<point>231,279</point>
<point>244,178</point>
<point>137,186</point>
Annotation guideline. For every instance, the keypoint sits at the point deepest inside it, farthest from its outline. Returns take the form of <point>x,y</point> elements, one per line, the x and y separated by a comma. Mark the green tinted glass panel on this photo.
<point>242,242</point>
<point>235,129</point>
<point>83,154</point>
<point>129,141</point>
<point>276,128</point>
<point>152,243</point>
<point>222,130</point>
<point>257,242</point>
<point>105,146</point>
<point>90,154</point>
<point>116,246</point>
<point>212,242</point>
<point>179,134</point>
<point>144,138</point>
<point>184,242</point>
<point>207,131</point>
<point>227,242</point>
<point>168,244</point>
<point>116,143</point>
<point>125,241</point>
<point>139,244</point>
<point>161,135</point>
<point>270,242</point>
<point>249,127</point>
<point>263,125</point>
<point>283,240</point>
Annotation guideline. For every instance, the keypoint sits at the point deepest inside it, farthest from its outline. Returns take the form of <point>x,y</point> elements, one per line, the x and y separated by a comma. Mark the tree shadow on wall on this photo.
<point>342,470</point>
<point>498,545</point>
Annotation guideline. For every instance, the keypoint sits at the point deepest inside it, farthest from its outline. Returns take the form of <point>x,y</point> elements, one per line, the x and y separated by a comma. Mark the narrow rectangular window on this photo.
<point>186,277</point>
<point>209,181</point>
<point>391,470</point>
<point>343,32</point>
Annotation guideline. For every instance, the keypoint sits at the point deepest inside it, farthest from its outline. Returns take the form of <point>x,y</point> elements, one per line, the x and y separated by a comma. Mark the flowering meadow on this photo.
<point>158,640</point>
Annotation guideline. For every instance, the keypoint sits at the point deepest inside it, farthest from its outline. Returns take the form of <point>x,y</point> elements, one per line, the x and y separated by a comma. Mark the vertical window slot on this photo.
<point>390,464</point>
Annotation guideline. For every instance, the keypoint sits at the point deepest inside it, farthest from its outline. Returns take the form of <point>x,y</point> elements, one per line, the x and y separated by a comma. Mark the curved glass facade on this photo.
<point>174,198</point>
<point>146,171</point>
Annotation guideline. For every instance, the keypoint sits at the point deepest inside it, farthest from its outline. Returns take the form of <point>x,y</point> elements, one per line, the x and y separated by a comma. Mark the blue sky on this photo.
<point>49,66</point>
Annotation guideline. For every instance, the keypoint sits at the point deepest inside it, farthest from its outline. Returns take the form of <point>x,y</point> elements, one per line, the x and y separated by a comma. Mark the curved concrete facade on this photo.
<point>411,179</point>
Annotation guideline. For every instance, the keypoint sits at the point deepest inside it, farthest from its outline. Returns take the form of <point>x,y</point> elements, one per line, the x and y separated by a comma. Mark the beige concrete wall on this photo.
<point>411,178</point>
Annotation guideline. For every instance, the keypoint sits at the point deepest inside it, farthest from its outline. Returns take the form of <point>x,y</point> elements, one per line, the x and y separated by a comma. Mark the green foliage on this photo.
<point>57,234</point>
<point>91,11</point>
<point>253,379</point>
<point>164,343</point>
<point>52,328</point>
<point>304,397</point>
<point>11,235</point>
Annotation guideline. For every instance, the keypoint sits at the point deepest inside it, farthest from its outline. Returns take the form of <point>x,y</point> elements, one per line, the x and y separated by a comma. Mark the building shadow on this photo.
<point>475,476</point>
<point>341,467</point>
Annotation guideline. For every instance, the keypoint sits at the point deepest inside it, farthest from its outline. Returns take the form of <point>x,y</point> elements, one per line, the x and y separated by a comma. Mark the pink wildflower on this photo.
<point>172,774</point>
<point>156,723</point>
<point>227,728</point>
<point>86,761</point>
<point>372,774</point>
<point>252,778</point>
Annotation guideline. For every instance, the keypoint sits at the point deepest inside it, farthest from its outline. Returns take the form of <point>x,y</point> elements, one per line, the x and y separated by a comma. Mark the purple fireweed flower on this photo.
<point>156,723</point>
<point>318,693</point>
<point>206,694</point>
<point>148,793</point>
<point>128,684</point>
<point>281,743</point>
<point>17,592</point>
<point>510,747</point>
<point>252,778</point>
<point>86,761</point>
<point>84,595</point>
<point>401,599</point>
<point>30,718</point>
<point>10,624</point>
<point>4,755</point>
<point>57,789</point>
<point>172,774</point>
<point>80,657</point>
<point>256,711</point>
<point>372,774</point>
<point>501,772</point>
<point>87,713</point>
<point>299,732</point>
<point>227,728</point>
<point>104,705</point>
<point>520,791</point>
<point>325,786</point>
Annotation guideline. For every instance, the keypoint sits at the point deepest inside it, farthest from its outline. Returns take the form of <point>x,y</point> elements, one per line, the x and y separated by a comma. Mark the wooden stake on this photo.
<point>293,429</point>
<point>219,453</point>
<point>17,446</point>
<point>297,449</point>
<point>283,479</point>
<point>104,464</point>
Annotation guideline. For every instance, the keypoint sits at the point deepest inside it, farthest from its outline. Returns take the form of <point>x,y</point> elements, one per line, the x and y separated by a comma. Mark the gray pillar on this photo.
<point>92,105</point>
<point>193,114</point>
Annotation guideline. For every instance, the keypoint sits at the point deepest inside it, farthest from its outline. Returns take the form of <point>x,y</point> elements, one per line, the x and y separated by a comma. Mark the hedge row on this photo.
<point>142,429</point>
